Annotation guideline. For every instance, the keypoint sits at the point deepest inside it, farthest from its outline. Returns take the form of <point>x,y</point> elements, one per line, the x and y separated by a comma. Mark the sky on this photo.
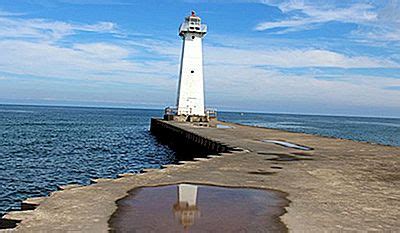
<point>290,56</point>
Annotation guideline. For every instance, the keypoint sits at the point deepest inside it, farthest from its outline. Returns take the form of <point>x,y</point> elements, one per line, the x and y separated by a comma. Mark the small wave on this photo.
<point>289,123</point>
<point>16,111</point>
<point>374,123</point>
<point>296,127</point>
<point>283,126</point>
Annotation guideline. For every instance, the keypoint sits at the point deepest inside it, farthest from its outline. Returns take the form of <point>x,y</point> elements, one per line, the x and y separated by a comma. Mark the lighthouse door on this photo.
<point>191,105</point>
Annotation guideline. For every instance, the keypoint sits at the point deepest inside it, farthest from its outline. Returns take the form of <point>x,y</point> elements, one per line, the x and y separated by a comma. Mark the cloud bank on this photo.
<point>58,60</point>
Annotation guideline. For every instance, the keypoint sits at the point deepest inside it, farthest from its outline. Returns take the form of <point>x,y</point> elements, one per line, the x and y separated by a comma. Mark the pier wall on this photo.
<point>186,144</point>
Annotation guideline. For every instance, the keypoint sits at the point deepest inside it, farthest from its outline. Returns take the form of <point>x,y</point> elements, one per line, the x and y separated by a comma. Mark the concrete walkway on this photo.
<point>339,185</point>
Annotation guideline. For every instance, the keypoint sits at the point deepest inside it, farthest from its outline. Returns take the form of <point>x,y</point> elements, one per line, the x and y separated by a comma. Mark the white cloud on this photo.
<point>32,47</point>
<point>291,58</point>
<point>6,13</point>
<point>376,20</point>
<point>103,51</point>
<point>236,75</point>
<point>387,25</point>
<point>100,61</point>
<point>252,85</point>
<point>48,30</point>
<point>84,2</point>
<point>314,12</point>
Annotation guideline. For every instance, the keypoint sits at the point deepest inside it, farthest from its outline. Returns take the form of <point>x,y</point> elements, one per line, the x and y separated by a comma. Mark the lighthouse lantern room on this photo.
<point>190,99</point>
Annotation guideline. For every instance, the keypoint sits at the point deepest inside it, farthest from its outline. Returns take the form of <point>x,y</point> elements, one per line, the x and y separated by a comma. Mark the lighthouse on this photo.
<point>185,208</point>
<point>190,101</point>
<point>190,98</point>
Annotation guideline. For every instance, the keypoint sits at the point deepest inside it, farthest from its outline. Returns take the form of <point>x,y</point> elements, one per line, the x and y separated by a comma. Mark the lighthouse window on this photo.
<point>192,71</point>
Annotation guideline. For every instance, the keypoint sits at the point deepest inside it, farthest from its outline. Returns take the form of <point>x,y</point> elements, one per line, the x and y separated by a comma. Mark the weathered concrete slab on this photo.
<point>339,185</point>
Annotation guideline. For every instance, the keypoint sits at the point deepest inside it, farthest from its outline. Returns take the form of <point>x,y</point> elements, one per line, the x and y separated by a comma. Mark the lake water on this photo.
<point>369,129</point>
<point>44,147</point>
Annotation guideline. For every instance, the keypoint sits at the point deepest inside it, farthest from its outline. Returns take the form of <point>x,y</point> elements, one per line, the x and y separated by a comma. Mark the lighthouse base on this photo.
<point>187,118</point>
<point>171,114</point>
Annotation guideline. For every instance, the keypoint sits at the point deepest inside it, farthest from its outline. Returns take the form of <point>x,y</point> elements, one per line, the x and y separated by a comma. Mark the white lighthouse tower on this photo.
<point>190,101</point>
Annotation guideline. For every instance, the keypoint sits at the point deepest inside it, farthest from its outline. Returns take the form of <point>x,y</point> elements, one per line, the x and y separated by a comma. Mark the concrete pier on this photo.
<point>186,141</point>
<point>332,184</point>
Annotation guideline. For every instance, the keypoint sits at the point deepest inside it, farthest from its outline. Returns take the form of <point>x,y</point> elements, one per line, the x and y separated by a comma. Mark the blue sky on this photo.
<point>296,56</point>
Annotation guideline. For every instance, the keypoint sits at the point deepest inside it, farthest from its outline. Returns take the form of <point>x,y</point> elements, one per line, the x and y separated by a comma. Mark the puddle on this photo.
<point>270,153</point>
<point>284,157</point>
<point>199,208</point>
<point>301,153</point>
<point>288,144</point>
<point>221,126</point>
<point>287,158</point>
<point>8,223</point>
<point>265,173</point>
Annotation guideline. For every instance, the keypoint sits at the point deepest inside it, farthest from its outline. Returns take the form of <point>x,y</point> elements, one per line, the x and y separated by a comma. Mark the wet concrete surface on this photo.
<point>199,208</point>
<point>284,157</point>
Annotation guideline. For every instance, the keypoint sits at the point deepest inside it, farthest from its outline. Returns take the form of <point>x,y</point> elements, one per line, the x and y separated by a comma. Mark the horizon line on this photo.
<point>161,109</point>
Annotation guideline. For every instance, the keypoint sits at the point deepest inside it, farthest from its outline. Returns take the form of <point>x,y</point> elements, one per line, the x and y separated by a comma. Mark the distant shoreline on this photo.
<point>222,111</point>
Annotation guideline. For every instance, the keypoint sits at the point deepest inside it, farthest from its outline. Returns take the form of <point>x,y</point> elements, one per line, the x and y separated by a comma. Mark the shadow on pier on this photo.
<point>187,145</point>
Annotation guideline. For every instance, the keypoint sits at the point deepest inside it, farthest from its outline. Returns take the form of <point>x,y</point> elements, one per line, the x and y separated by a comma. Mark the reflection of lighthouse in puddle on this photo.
<point>185,208</point>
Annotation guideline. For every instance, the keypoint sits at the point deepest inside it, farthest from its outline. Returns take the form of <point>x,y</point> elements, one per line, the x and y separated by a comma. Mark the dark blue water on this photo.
<point>43,147</point>
<point>368,129</point>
